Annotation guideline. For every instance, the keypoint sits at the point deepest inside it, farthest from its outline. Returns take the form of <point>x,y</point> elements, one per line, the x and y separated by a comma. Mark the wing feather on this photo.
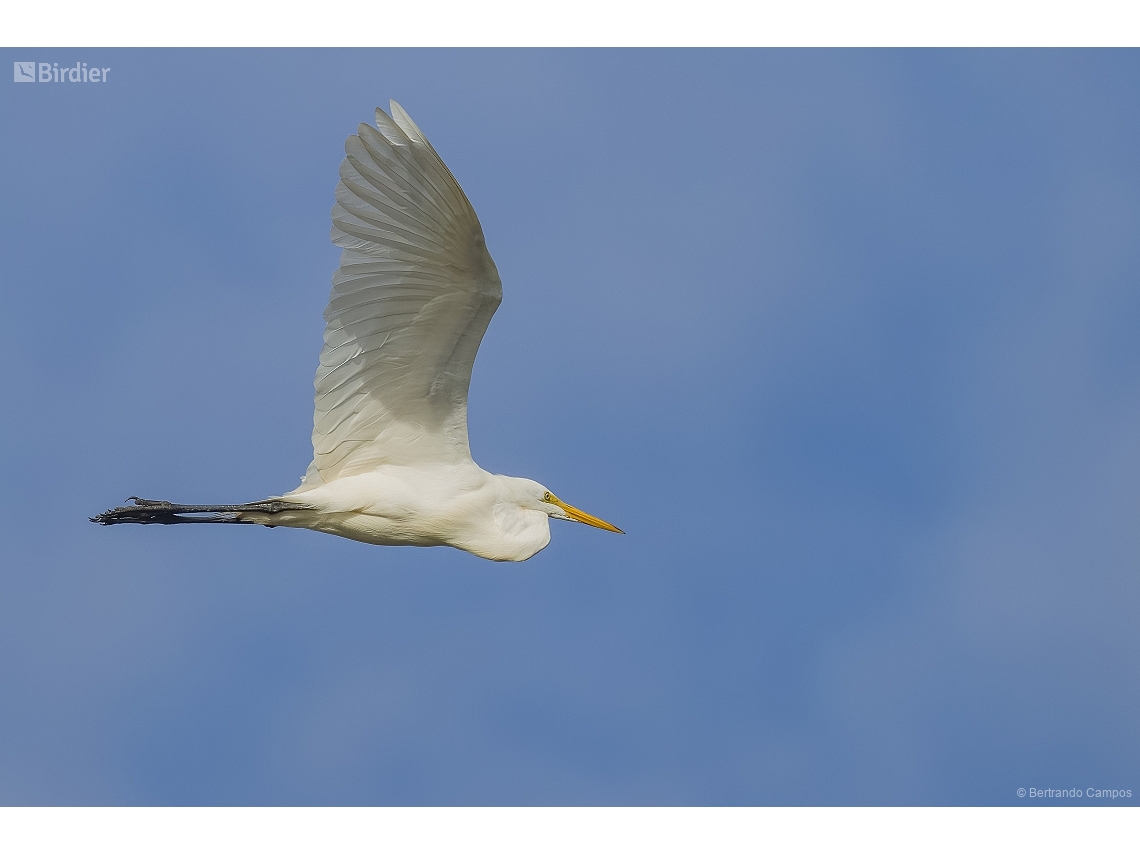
<point>411,300</point>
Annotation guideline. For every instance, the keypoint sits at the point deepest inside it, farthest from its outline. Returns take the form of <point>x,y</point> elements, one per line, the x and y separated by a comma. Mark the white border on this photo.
<point>601,23</point>
<point>554,831</point>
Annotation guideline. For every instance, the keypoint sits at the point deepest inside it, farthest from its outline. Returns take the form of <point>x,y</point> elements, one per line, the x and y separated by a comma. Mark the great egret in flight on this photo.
<point>410,302</point>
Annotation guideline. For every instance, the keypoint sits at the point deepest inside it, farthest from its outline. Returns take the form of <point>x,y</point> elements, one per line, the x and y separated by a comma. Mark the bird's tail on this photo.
<point>149,512</point>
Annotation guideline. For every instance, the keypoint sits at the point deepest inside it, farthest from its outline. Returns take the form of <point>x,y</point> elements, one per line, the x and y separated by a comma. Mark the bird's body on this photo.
<point>411,300</point>
<point>460,505</point>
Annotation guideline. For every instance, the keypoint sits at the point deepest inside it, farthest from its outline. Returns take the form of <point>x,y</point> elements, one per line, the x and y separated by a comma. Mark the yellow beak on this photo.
<point>583,517</point>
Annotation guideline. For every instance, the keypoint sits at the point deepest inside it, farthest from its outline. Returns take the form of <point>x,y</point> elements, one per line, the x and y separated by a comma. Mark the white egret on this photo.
<point>410,302</point>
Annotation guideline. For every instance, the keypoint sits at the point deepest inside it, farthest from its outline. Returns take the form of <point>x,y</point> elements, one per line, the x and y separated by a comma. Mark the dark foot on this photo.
<point>151,512</point>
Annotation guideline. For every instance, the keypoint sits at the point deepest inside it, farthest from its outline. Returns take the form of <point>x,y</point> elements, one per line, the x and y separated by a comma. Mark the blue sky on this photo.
<point>846,341</point>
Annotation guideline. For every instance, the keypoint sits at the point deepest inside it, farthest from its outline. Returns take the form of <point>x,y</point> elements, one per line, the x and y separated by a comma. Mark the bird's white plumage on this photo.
<point>411,300</point>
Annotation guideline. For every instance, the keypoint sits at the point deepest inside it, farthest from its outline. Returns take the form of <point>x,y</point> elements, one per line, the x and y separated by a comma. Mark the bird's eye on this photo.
<point>546,497</point>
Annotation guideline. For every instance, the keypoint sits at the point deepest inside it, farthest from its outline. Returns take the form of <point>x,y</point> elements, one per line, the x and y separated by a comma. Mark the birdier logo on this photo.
<point>50,72</point>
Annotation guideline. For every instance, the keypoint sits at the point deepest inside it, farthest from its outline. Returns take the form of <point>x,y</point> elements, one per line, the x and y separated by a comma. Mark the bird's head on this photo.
<point>541,499</point>
<point>559,510</point>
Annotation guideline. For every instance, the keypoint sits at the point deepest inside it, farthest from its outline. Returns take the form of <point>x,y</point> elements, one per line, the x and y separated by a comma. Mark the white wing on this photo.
<point>410,302</point>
